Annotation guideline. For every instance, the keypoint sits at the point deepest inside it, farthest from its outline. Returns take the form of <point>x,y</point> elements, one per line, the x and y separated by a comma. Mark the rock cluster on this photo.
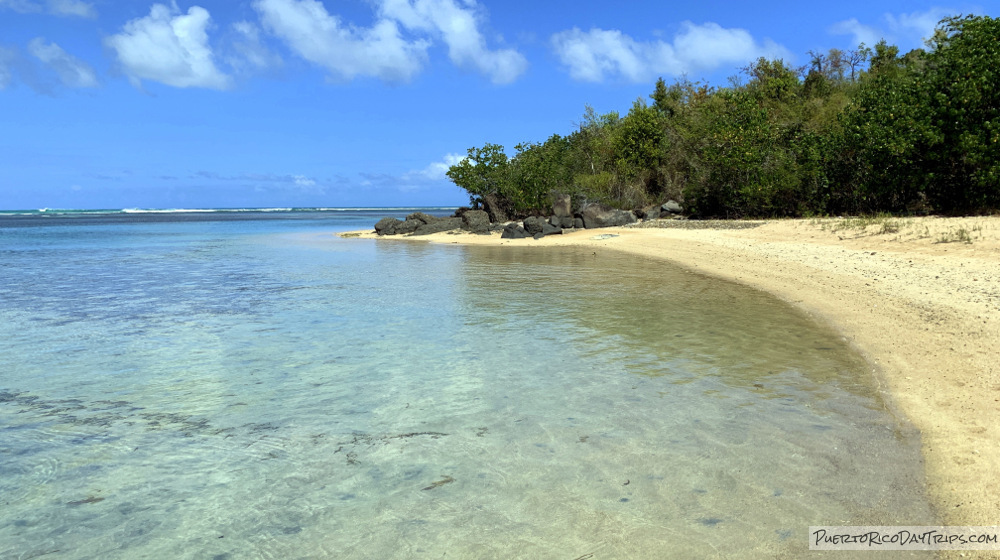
<point>592,215</point>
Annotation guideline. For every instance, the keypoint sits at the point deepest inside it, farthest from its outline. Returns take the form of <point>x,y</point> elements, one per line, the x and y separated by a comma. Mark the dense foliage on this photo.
<point>860,131</point>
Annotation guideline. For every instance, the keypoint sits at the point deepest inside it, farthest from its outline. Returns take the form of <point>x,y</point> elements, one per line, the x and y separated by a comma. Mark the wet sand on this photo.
<point>918,297</point>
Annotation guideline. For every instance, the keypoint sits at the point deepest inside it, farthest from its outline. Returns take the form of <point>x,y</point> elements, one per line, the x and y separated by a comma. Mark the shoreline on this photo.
<point>918,297</point>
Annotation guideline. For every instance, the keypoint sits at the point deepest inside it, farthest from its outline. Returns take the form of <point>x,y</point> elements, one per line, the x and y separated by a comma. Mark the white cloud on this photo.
<point>266,181</point>
<point>247,51</point>
<point>303,181</point>
<point>598,54</point>
<point>458,26</point>
<point>168,47</point>
<point>435,171</point>
<point>907,31</point>
<point>54,7</point>
<point>6,61</point>
<point>71,8</point>
<point>860,32</point>
<point>344,51</point>
<point>72,71</point>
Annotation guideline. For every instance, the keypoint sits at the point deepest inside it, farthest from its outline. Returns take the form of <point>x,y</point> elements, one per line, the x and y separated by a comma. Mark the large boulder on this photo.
<point>493,207</point>
<point>672,206</point>
<point>649,212</point>
<point>533,224</point>
<point>567,222</point>
<point>547,229</point>
<point>425,218</point>
<point>597,216</point>
<point>513,231</point>
<point>438,225</point>
<point>387,226</point>
<point>476,221</point>
<point>409,226</point>
<point>561,206</point>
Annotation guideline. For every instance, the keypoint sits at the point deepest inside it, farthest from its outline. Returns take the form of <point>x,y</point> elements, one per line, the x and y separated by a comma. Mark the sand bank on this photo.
<point>920,297</point>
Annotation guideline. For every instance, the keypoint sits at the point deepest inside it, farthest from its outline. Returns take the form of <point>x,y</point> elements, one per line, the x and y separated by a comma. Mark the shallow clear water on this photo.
<point>258,388</point>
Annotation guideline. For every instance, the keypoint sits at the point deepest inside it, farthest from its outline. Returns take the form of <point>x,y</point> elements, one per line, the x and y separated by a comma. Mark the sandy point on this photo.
<point>919,297</point>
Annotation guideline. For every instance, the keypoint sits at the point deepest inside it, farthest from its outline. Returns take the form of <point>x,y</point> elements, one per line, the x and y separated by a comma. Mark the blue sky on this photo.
<point>277,103</point>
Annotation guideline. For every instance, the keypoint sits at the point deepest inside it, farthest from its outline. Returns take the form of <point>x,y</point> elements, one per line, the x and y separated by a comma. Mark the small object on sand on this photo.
<point>447,479</point>
<point>87,500</point>
<point>604,236</point>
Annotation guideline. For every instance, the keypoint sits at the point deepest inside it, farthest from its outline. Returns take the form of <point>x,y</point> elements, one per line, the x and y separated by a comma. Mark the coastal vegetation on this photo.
<point>864,131</point>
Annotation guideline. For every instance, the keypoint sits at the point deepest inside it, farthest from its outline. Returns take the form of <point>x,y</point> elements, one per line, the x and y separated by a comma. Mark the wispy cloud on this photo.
<point>246,52</point>
<point>75,8</point>
<point>600,54</point>
<point>168,47</point>
<point>268,181</point>
<point>907,30</point>
<point>435,171</point>
<point>44,68</point>
<point>6,65</point>
<point>72,71</point>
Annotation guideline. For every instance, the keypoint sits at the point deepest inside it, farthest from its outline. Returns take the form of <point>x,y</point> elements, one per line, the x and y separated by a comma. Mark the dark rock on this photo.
<point>476,221</point>
<point>672,206</point>
<point>460,211</point>
<point>567,222</point>
<point>598,216</point>
<point>561,206</point>
<point>387,226</point>
<point>578,223</point>
<point>651,212</point>
<point>425,218</point>
<point>494,208</point>
<point>409,226</point>
<point>533,224</point>
<point>555,220</point>
<point>548,229</point>
<point>439,225</point>
<point>513,231</point>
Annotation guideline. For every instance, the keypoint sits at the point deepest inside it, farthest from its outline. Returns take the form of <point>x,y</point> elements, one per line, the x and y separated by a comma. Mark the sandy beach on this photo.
<point>919,297</point>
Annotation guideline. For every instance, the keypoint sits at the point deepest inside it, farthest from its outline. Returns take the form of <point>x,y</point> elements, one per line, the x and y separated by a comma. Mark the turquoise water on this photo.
<point>251,386</point>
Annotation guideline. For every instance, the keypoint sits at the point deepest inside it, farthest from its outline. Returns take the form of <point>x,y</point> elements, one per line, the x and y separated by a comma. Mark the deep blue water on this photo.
<point>249,385</point>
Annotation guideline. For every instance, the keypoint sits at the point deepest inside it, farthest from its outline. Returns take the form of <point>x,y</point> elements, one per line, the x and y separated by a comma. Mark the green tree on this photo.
<point>962,93</point>
<point>485,172</point>
<point>885,134</point>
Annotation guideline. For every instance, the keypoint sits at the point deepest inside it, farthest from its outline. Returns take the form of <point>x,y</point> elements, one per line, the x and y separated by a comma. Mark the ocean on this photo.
<point>246,384</point>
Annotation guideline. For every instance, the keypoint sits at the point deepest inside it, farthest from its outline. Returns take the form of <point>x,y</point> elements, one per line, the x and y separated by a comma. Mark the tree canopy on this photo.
<point>865,130</point>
